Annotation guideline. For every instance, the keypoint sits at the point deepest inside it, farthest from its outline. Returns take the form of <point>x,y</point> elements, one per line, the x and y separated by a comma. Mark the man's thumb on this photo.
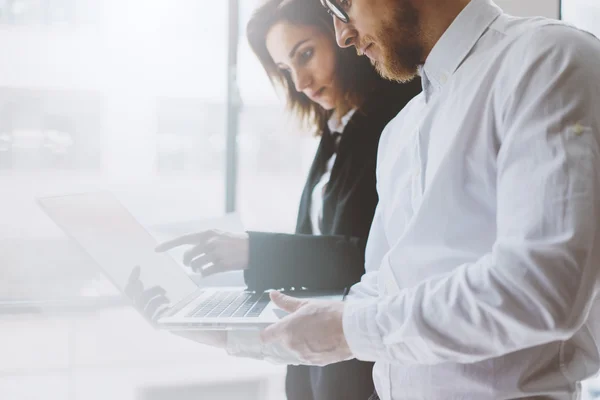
<point>286,303</point>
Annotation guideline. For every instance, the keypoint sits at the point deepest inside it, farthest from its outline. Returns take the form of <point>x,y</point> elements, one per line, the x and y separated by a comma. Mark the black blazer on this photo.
<point>334,259</point>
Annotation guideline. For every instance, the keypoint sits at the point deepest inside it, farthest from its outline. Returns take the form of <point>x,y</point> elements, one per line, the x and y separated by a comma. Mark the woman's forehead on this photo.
<point>284,37</point>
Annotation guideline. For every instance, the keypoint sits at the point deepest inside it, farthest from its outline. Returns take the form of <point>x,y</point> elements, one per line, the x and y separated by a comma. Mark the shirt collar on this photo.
<point>456,43</point>
<point>338,126</point>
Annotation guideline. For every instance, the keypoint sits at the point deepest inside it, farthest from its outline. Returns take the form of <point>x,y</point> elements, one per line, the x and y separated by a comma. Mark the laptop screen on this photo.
<point>117,242</point>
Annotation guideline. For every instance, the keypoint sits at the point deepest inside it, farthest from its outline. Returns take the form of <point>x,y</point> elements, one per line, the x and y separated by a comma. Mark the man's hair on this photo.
<point>356,77</point>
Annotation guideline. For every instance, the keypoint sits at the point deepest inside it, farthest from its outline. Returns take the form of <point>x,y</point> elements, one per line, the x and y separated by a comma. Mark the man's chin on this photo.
<point>376,64</point>
<point>383,71</point>
<point>403,75</point>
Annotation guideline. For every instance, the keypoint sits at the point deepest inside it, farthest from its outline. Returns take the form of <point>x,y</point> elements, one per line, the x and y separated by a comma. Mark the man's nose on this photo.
<point>345,34</point>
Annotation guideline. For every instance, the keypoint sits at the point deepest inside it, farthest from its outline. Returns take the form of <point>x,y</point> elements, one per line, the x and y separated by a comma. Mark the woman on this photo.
<point>348,104</point>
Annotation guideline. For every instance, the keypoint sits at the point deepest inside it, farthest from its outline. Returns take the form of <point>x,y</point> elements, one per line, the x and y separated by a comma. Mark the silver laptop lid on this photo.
<point>117,242</point>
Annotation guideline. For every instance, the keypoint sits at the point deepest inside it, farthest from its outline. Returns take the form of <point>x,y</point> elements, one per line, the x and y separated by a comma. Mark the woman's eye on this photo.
<point>306,55</point>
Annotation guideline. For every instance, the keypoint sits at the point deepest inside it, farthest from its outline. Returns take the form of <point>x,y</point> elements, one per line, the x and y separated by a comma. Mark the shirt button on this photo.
<point>443,79</point>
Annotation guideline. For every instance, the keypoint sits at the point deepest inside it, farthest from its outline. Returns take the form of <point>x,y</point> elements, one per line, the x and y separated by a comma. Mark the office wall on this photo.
<point>546,8</point>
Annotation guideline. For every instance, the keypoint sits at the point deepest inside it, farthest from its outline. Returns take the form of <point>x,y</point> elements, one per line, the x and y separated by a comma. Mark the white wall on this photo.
<point>546,8</point>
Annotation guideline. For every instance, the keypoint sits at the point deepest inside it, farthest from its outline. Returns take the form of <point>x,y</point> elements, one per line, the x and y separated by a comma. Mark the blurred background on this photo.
<point>162,103</point>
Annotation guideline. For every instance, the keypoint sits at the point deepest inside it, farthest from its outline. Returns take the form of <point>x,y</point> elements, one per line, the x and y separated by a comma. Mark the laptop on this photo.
<point>124,251</point>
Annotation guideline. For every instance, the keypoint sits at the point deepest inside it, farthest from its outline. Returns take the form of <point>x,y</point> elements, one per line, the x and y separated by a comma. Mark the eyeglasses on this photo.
<point>334,9</point>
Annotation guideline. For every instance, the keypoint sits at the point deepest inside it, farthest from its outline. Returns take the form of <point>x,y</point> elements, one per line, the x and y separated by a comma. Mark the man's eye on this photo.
<point>345,4</point>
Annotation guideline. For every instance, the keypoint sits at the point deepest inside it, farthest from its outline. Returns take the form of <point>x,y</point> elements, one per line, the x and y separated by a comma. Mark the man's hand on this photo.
<point>216,339</point>
<point>313,330</point>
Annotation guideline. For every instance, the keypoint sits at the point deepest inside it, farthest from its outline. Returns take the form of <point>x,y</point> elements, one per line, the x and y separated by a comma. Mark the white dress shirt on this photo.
<point>483,258</point>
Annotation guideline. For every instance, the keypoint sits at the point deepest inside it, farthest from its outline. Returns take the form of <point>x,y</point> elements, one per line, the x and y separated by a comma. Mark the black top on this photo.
<point>334,259</point>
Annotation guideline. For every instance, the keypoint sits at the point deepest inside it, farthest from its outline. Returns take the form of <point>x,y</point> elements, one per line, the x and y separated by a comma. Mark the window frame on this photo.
<point>233,107</point>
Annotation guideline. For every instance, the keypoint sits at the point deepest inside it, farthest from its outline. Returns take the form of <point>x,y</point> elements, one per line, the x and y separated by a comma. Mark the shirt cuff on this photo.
<point>361,331</point>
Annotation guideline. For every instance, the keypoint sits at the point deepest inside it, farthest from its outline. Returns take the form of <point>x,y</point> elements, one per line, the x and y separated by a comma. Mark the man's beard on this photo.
<point>400,44</point>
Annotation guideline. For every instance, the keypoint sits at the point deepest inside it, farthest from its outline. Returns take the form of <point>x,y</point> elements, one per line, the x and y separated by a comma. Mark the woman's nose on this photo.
<point>302,80</point>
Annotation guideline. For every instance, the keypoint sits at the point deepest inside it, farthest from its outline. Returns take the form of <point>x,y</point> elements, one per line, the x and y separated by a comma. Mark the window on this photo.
<point>545,8</point>
<point>190,136</point>
<point>275,152</point>
<point>585,14</point>
<point>130,98</point>
<point>39,12</point>
<point>49,130</point>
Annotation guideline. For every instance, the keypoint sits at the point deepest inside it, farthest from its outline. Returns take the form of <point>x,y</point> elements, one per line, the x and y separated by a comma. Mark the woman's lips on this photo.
<point>317,94</point>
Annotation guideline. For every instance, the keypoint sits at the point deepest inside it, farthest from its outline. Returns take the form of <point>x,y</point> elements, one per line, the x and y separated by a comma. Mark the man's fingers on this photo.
<point>192,238</point>
<point>290,304</point>
<point>272,332</point>
<point>211,338</point>
<point>287,303</point>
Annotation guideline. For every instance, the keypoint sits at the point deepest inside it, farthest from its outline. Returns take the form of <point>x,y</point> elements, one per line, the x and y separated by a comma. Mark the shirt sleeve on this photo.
<point>375,250</point>
<point>537,283</point>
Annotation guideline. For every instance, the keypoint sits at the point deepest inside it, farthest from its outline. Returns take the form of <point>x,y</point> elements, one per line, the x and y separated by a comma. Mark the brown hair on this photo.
<point>357,77</point>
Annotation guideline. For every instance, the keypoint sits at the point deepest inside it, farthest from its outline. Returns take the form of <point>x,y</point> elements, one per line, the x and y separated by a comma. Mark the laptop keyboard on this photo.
<point>232,304</point>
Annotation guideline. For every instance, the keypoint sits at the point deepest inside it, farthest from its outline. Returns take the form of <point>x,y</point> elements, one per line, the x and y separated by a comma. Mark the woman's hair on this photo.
<point>356,77</point>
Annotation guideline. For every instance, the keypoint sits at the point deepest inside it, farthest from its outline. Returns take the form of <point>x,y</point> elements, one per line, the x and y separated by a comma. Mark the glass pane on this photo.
<point>113,354</point>
<point>125,95</point>
<point>585,14</point>
<point>133,103</point>
<point>51,12</point>
<point>275,153</point>
<point>544,8</point>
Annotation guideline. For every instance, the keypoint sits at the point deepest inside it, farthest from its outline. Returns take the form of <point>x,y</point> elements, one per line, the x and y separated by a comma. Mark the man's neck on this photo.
<point>436,18</point>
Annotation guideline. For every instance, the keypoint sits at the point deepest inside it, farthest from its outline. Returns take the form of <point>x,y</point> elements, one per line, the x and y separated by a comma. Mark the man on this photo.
<point>483,257</point>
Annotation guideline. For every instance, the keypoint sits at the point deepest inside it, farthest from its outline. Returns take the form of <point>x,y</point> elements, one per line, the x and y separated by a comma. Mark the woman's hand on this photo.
<point>213,251</point>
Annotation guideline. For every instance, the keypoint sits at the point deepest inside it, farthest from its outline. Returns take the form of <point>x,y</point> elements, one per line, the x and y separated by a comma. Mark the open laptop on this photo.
<point>123,249</point>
